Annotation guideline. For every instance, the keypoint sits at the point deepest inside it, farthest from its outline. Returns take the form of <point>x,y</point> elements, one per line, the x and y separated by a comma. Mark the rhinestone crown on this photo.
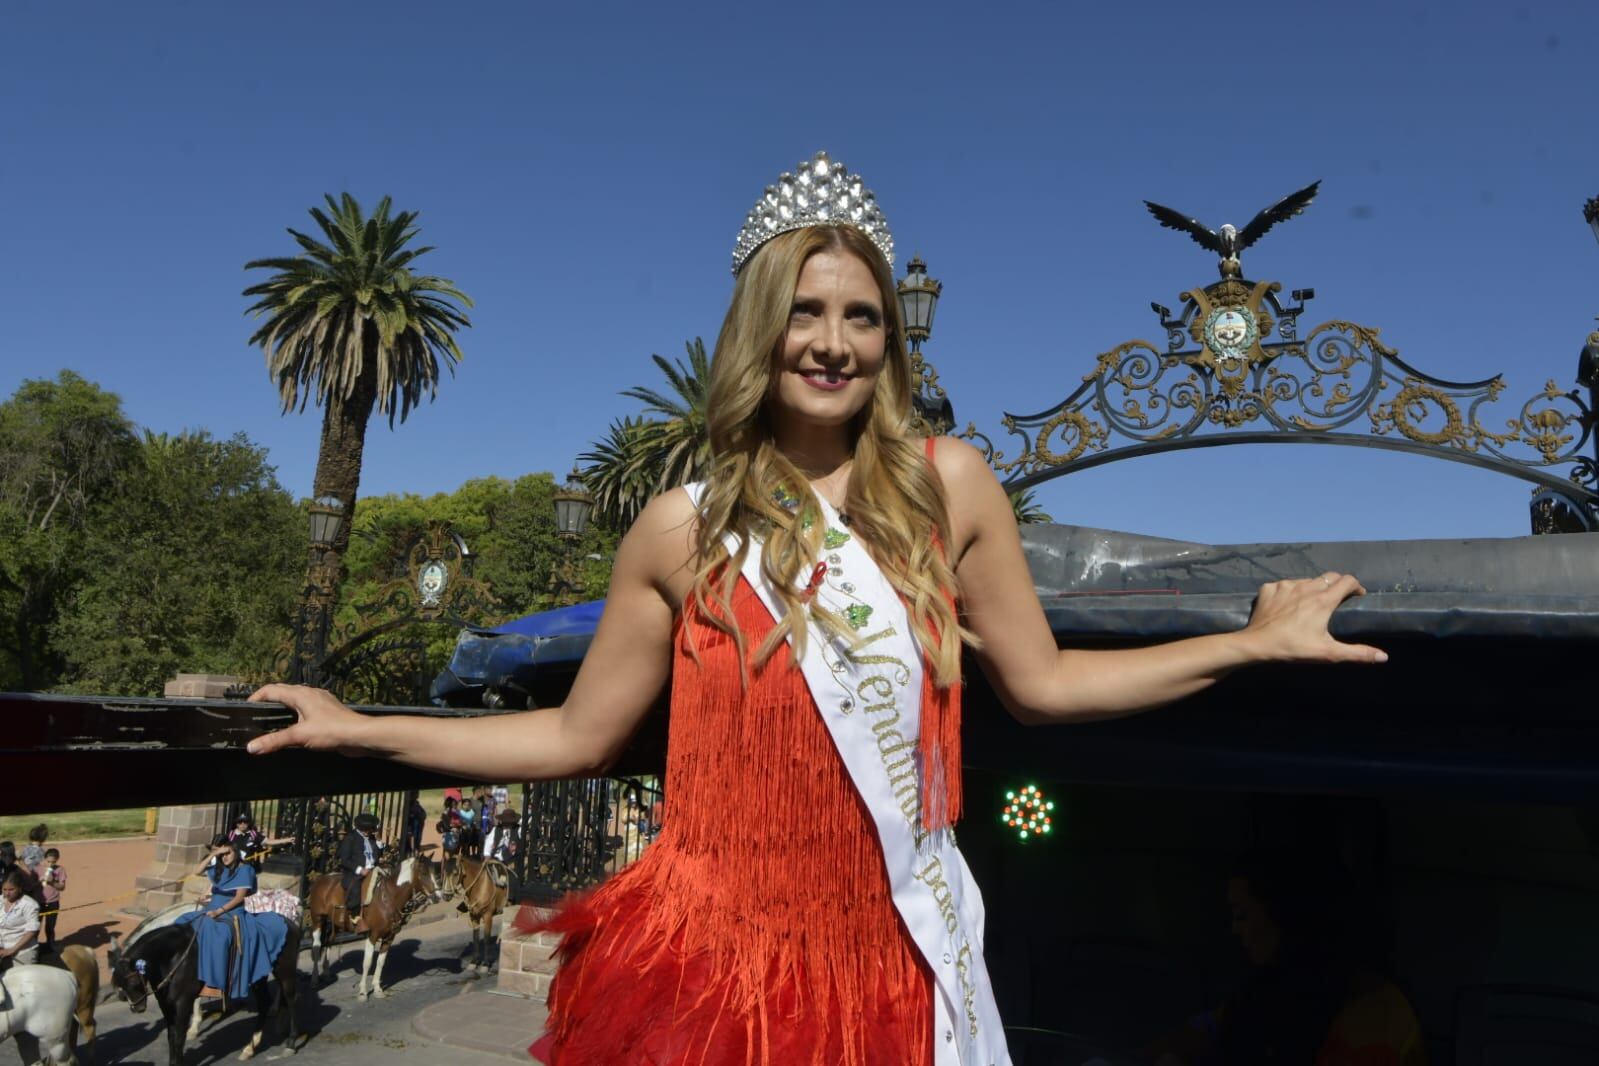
<point>824,193</point>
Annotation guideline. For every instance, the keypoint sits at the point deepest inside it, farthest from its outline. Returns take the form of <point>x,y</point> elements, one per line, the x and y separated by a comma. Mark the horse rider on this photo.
<point>358,854</point>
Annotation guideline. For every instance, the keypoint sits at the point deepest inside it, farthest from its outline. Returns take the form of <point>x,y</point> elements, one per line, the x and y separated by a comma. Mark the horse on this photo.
<point>394,900</point>
<point>166,964</point>
<point>80,962</point>
<point>484,885</point>
<point>36,1006</point>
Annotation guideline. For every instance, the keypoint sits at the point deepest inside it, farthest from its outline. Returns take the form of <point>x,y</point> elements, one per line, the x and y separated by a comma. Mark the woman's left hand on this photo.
<point>1289,623</point>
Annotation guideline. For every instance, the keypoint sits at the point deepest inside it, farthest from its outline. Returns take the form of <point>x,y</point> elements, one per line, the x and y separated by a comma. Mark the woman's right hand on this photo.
<point>325,723</point>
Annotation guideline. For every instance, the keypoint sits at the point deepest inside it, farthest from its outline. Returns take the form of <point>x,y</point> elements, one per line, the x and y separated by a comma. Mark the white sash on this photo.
<point>869,695</point>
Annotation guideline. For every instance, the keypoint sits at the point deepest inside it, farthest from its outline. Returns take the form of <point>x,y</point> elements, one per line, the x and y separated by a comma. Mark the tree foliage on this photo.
<point>1027,509</point>
<point>665,447</point>
<point>509,526</point>
<point>191,566</point>
<point>349,324</point>
<point>126,558</point>
<point>63,444</point>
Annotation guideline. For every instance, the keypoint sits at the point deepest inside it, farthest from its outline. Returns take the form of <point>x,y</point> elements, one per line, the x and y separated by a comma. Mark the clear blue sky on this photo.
<point>583,169</point>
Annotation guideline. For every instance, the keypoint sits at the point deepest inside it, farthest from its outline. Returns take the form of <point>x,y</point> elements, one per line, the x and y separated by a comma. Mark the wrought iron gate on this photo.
<point>316,824</point>
<point>574,834</point>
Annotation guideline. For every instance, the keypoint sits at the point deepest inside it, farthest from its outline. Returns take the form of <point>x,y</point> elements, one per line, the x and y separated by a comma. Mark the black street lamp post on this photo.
<point>1588,363</point>
<point>321,588</point>
<point>931,411</point>
<point>1552,510</point>
<point>573,505</point>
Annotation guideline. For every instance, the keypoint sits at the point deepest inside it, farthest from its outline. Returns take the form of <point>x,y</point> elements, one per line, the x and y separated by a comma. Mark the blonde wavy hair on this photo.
<point>895,500</point>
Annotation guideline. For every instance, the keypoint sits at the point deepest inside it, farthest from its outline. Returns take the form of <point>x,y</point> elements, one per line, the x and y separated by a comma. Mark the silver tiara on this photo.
<point>824,193</point>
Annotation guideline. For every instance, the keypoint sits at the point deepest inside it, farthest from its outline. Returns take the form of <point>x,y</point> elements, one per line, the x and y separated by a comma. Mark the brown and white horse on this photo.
<point>484,885</point>
<point>394,899</point>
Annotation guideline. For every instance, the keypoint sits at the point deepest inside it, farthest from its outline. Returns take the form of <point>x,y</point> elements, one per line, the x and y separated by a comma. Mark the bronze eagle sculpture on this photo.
<point>1229,241</point>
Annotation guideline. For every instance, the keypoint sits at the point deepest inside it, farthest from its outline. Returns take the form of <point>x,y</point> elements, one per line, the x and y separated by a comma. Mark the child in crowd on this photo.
<point>33,854</point>
<point>53,878</point>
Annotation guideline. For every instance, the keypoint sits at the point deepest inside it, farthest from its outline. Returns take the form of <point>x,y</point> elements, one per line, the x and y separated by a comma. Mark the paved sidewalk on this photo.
<point>480,1019</point>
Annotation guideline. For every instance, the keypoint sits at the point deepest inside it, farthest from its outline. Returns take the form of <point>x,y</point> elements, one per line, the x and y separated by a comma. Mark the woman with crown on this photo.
<point>807,603</point>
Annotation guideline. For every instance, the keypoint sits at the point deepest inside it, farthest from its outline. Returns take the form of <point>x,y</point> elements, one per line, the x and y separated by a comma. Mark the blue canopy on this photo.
<point>508,656</point>
<point>561,622</point>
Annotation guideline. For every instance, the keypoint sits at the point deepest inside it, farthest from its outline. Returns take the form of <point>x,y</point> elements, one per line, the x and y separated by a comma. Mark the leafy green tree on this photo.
<point>668,446</point>
<point>64,445</point>
<point>349,325</point>
<point>191,566</point>
<point>509,526</point>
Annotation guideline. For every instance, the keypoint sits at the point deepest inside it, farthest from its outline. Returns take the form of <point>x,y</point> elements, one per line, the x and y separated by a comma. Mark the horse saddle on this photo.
<point>499,873</point>
<point>369,883</point>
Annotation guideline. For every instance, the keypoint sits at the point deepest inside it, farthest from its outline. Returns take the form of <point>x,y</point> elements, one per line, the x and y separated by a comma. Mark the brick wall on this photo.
<point>526,965</point>
<point>182,839</point>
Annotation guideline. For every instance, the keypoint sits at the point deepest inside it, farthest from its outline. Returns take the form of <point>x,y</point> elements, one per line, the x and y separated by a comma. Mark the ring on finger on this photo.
<point>1327,582</point>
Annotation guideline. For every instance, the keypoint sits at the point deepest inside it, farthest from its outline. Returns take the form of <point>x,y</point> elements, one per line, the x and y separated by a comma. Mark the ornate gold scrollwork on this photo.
<point>1083,434</point>
<point>1319,385</point>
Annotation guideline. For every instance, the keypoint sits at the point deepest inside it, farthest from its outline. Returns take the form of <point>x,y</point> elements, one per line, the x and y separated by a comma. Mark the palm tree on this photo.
<point>350,326</point>
<point>1026,508</point>
<point>620,478</point>
<point>664,447</point>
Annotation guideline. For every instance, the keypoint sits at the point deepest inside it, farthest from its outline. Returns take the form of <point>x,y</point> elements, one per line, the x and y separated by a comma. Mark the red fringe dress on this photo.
<point>759,927</point>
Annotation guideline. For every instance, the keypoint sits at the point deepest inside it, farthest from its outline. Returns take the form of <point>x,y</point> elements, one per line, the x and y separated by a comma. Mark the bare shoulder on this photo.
<point>960,465</point>
<point>976,499</point>
<point>659,547</point>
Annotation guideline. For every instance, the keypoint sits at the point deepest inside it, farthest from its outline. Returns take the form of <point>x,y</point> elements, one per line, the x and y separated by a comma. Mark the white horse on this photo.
<point>37,1005</point>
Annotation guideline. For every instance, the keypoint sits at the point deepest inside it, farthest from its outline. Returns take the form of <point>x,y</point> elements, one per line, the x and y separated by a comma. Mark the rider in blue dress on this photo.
<point>260,936</point>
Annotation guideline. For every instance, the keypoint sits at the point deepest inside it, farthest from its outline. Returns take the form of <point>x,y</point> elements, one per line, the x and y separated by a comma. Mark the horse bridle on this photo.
<point>483,868</point>
<point>172,971</point>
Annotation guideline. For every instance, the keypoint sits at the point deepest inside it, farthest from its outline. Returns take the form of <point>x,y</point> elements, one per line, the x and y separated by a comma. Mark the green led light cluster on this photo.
<point>1027,812</point>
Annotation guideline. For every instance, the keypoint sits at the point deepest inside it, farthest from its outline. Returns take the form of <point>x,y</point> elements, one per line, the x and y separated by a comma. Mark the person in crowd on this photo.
<point>244,835</point>
<point>359,852</point>
<point>19,922</point>
<point>222,922</point>
<point>807,605</point>
<point>10,862</point>
<point>53,881</point>
<point>38,838</point>
<point>416,817</point>
<point>1316,993</point>
<point>471,835</point>
<point>657,814</point>
<point>449,827</point>
<point>505,842</point>
<point>253,844</point>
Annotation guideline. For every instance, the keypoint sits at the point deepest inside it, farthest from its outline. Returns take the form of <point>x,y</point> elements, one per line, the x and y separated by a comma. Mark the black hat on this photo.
<point>366,822</point>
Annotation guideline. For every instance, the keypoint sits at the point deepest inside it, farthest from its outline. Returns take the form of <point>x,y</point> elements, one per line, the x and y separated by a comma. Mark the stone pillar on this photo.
<point>200,686</point>
<point>182,838</point>
<point>526,965</point>
<point>183,834</point>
